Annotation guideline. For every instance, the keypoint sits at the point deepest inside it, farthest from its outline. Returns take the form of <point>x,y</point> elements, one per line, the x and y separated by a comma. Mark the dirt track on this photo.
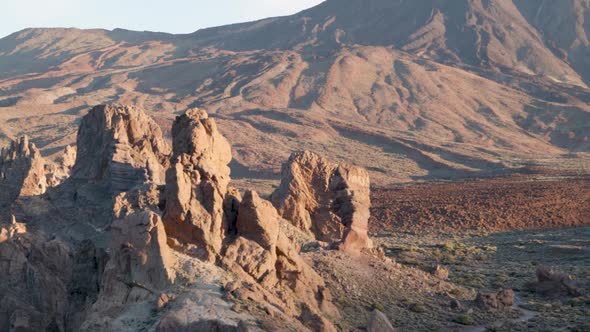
<point>483,205</point>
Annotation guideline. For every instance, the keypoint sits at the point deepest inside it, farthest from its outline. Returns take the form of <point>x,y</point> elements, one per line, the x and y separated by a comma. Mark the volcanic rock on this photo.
<point>378,322</point>
<point>22,171</point>
<point>440,272</point>
<point>554,283</point>
<point>501,300</point>
<point>33,292</point>
<point>326,199</point>
<point>196,185</point>
<point>58,172</point>
<point>265,255</point>
<point>140,267</point>
<point>120,147</point>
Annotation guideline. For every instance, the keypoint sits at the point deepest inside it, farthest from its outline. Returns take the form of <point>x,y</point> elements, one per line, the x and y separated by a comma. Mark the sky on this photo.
<point>174,16</point>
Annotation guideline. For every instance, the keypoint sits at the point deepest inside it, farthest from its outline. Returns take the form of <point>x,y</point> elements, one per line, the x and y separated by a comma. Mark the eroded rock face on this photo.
<point>58,172</point>
<point>501,300</point>
<point>378,322</point>
<point>33,291</point>
<point>22,171</point>
<point>120,147</point>
<point>327,199</point>
<point>141,266</point>
<point>264,255</point>
<point>554,284</point>
<point>196,185</point>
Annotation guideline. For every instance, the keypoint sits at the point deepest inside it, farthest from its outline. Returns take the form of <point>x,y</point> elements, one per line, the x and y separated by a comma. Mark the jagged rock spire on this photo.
<point>196,185</point>
<point>120,147</point>
<point>329,200</point>
<point>22,170</point>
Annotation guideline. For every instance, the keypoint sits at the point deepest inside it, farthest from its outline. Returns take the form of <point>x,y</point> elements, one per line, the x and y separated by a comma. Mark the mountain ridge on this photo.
<point>421,101</point>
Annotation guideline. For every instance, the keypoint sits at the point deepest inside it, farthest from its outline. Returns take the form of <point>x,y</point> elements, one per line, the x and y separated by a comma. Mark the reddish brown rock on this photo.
<point>120,147</point>
<point>141,266</point>
<point>196,185</point>
<point>440,272</point>
<point>266,256</point>
<point>327,199</point>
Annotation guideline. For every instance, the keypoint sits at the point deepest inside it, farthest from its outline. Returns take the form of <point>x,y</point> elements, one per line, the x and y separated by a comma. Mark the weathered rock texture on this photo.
<point>552,283</point>
<point>140,268</point>
<point>378,322</point>
<point>267,262</point>
<point>120,147</point>
<point>500,300</point>
<point>327,199</point>
<point>196,185</point>
<point>22,171</point>
<point>58,172</point>
<point>33,287</point>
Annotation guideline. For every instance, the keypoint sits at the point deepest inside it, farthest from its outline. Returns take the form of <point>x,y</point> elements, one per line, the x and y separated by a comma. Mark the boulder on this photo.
<point>196,186</point>
<point>440,272</point>
<point>329,200</point>
<point>378,322</point>
<point>501,300</point>
<point>552,283</point>
<point>22,171</point>
<point>120,147</point>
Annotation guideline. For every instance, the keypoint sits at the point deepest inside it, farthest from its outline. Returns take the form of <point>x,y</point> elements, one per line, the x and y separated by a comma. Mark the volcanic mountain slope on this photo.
<point>407,89</point>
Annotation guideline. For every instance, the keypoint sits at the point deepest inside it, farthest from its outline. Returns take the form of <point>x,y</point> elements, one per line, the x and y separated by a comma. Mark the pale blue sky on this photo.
<point>176,16</point>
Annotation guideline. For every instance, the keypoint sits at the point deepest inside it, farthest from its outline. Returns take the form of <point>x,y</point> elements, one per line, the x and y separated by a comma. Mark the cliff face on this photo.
<point>197,183</point>
<point>22,171</point>
<point>120,147</point>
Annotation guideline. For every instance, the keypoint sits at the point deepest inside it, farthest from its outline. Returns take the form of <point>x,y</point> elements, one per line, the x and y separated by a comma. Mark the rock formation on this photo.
<point>552,283</point>
<point>122,272</point>
<point>378,322</point>
<point>327,199</point>
<point>58,172</point>
<point>120,147</point>
<point>264,256</point>
<point>141,266</point>
<point>22,171</point>
<point>196,185</point>
<point>33,287</point>
<point>500,300</point>
<point>205,218</point>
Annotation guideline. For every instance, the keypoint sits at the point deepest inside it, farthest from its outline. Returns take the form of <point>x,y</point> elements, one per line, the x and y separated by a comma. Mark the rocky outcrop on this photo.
<point>327,199</point>
<point>500,300</point>
<point>120,147</point>
<point>196,186</point>
<point>266,257</point>
<point>89,262</point>
<point>139,269</point>
<point>440,272</point>
<point>35,272</point>
<point>554,284</point>
<point>59,171</point>
<point>22,171</point>
<point>378,322</point>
